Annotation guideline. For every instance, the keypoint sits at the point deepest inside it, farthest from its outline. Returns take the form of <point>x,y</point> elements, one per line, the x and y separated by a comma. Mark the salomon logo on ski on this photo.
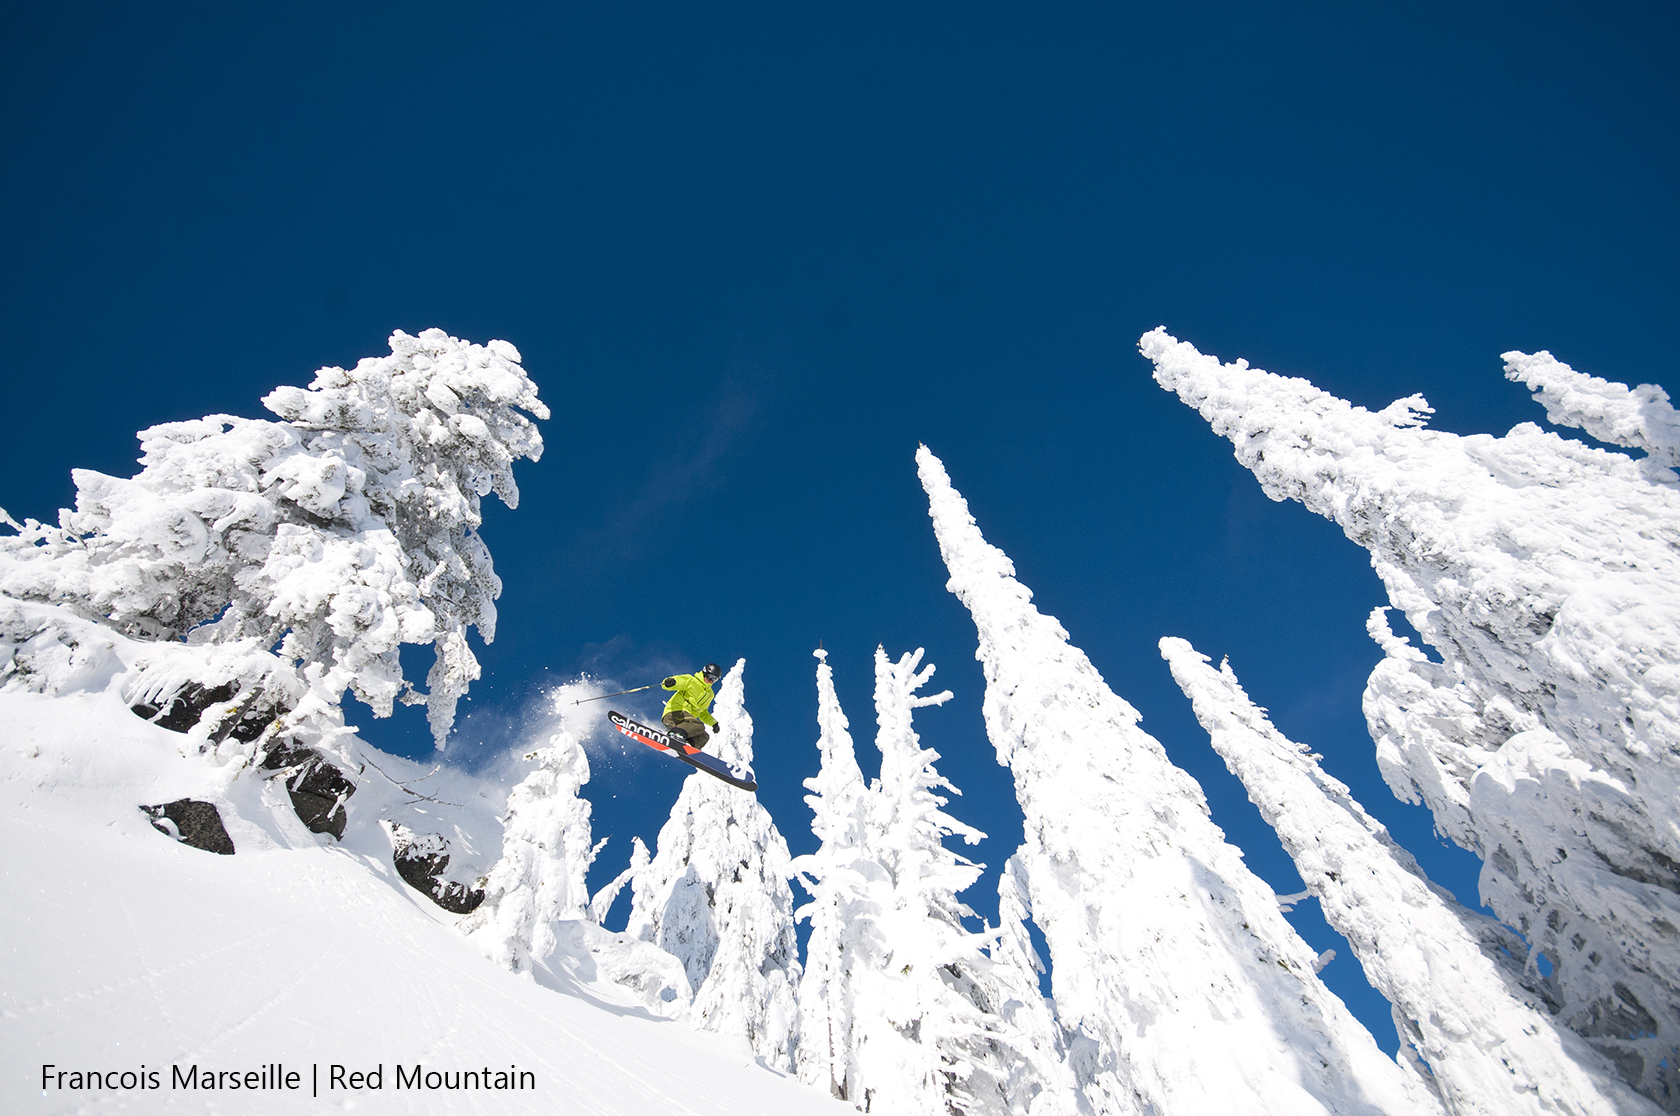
<point>672,744</point>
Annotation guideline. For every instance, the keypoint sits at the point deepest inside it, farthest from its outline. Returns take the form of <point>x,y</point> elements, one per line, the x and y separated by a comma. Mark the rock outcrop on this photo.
<point>191,822</point>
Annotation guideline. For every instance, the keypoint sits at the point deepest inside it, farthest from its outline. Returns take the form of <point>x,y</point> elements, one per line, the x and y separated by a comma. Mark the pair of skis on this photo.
<point>674,744</point>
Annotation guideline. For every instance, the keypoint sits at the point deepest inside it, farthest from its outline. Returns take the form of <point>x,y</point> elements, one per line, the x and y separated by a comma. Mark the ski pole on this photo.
<point>620,693</point>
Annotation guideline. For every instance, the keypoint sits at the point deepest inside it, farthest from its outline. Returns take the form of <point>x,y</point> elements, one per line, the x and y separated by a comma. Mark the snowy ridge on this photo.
<point>1547,576</point>
<point>128,949</point>
<point>1451,974</point>
<point>1165,949</point>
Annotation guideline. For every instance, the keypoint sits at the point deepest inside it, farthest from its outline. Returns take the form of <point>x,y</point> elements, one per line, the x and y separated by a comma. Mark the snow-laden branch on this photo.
<point>1640,417</point>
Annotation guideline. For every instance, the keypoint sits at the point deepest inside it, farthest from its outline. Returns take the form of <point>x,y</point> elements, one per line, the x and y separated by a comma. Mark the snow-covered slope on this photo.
<point>125,949</point>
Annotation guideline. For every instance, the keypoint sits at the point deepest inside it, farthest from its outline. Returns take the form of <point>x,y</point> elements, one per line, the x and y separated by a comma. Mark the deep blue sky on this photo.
<point>754,253</point>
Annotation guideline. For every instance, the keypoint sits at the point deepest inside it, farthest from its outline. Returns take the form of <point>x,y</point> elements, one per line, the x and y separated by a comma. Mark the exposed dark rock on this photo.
<point>319,815</point>
<point>193,823</point>
<point>181,711</point>
<point>421,860</point>
<point>318,789</point>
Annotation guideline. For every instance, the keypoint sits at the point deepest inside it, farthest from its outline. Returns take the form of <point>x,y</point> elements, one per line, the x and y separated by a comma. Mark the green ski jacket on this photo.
<point>693,695</point>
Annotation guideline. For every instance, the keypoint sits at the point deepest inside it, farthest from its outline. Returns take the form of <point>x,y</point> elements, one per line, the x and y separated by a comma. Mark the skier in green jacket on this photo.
<point>689,710</point>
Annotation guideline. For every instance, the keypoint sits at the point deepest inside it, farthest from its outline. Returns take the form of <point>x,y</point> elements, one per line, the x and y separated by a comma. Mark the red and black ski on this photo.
<point>673,744</point>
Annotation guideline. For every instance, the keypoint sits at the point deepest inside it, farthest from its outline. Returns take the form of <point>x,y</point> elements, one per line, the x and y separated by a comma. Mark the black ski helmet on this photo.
<point>711,672</point>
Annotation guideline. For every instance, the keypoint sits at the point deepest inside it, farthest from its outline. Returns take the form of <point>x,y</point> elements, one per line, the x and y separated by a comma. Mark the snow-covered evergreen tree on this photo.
<point>1453,976</point>
<point>930,1026</point>
<point>904,1010</point>
<point>1165,950</point>
<point>831,875</point>
<point>537,909</point>
<point>1041,1077</point>
<point>643,923</point>
<point>1547,576</point>
<point>911,1018</point>
<point>546,854</point>
<point>338,533</point>
<point>716,897</point>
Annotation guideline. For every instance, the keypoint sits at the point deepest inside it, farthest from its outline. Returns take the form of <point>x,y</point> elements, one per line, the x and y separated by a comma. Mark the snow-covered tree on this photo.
<point>911,1018</point>
<point>546,854</point>
<point>537,910</point>
<point>831,875</point>
<point>716,897</point>
<point>645,885</point>
<point>1041,1079</point>
<point>1546,574</point>
<point>929,1021</point>
<point>904,1009</point>
<point>1165,949</point>
<point>1454,976</point>
<point>338,533</point>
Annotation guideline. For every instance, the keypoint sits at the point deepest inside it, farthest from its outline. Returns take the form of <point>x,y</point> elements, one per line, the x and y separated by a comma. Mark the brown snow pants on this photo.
<point>686,723</point>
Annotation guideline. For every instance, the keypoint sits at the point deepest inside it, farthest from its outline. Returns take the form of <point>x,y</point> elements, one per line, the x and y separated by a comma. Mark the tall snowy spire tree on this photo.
<point>910,1021</point>
<point>1547,576</point>
<point>1164,948</point>
<point>1453,976</point>
<point>902,1010</point>
<point>716,897</point>
<point>940,1024</point>
<point>832,875</point>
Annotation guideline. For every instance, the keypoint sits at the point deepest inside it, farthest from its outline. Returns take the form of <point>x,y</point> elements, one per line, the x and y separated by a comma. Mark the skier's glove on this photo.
<point>668,684</point>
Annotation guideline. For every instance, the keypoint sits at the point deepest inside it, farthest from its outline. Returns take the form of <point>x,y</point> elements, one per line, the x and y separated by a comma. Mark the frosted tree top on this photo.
<point>336,534</point>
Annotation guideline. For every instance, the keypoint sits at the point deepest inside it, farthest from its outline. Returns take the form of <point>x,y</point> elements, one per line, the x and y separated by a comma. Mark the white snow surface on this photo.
<point>1165,949</point>
<point>1452,975</point>
<point>1546,573</point>
<point>125,949</point>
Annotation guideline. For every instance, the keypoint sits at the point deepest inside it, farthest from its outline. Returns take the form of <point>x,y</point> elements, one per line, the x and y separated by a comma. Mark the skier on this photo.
<point>689,710</point>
